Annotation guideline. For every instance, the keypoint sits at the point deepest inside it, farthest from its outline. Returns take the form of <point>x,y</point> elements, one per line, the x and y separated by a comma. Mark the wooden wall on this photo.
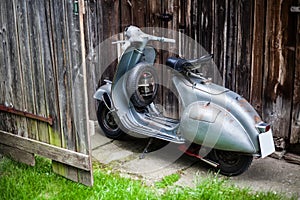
<point>44,44</point>
<point>255,45</point>
<point>41,71</point>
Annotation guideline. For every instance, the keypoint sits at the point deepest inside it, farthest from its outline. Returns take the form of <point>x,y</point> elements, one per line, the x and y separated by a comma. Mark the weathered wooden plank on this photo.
<point>295,127</point>
<point>2,70</point>
<point>138,11</point>
<point>257,63</point>
<point>75,159</point>
<point>37,56</point>
<point>91,41</point>
<point>173,9</point>
<point>125,14</point>
<point>111,21</point>
<point>68,53</point>
<point>278,68</point>
<point>7,78</point>
<point>17,84</point>
<point>59,67</point>
<point>292,158</point>
<point>218,35</point>
<point>50,71</point>
<point>76,58</point>
<point>205,24</point>
<point>84,144</point>
<point>63,137</point>
<point>26,67</point>
<point>244,48</point>
<point>54,10</point>
<point>230,51</point>
<point>73,57</point>
<point>108,24</point>
<point>17,155</point>
<point>187,19</point>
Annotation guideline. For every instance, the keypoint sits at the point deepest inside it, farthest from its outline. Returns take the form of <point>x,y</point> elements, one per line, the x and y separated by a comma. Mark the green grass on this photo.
<point>19,181</point>
<point>167,181</point>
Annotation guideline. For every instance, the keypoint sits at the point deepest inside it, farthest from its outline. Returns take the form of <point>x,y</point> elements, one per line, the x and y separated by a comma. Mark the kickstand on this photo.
<point>142,156</point>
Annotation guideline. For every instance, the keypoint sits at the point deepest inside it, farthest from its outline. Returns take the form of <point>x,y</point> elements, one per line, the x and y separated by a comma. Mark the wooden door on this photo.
<point>43,101</point>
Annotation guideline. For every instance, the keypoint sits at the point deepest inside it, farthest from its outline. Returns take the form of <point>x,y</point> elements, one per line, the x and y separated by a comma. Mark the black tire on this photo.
<point>107,122</point>
<point>230,163</point>
<point>133,80</point>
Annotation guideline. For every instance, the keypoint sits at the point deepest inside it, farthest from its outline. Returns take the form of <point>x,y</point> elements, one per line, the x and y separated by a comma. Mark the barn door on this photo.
<point>295,130</point>
<point>43,98</point>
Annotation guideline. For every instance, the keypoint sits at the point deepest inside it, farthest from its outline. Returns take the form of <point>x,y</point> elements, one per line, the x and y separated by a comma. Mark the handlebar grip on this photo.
<point>161,39</point>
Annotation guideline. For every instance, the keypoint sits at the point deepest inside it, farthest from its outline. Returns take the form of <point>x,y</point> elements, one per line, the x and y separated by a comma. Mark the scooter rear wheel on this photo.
<point>107,122</point>
<point>230,163</point>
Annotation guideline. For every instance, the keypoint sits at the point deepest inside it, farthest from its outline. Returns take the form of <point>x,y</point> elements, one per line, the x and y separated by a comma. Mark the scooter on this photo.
<point>212,117</point>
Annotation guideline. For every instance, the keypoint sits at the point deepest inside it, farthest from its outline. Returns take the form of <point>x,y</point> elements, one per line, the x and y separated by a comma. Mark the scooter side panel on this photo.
<point>215,127</point>
<point>236,115</point>
<point>119,95</point>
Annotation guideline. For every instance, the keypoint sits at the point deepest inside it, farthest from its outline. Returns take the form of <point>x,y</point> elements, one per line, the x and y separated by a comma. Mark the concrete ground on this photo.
<point>165,159</point>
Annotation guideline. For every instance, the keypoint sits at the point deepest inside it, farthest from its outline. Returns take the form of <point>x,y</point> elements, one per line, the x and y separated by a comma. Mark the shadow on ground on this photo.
<point>164,159</point>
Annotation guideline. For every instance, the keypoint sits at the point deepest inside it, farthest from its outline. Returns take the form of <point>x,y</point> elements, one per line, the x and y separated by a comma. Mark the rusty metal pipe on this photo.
<point>11,110</point>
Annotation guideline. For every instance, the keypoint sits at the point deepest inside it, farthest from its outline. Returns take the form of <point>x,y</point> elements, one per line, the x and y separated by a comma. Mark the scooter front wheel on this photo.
<point>107,122</point>
<point>230,163</point>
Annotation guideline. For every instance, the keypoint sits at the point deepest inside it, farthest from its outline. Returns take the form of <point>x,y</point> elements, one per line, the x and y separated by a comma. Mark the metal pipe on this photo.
<point>12,110</point>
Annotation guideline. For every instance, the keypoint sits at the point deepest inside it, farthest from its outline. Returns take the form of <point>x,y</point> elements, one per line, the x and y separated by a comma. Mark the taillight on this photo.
<point>263,127</point>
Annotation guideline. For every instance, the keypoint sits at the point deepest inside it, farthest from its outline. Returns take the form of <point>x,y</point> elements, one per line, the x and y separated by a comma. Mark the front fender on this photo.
<point>104,89</point>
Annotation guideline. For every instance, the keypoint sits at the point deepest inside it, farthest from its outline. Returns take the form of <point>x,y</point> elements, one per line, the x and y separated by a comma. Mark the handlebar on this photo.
<point>150,37</point>
<point>134,34</point>
<point>160,39</point>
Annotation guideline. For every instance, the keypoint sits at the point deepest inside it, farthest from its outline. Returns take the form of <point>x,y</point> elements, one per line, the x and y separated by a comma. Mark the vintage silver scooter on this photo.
<point>212,117</point>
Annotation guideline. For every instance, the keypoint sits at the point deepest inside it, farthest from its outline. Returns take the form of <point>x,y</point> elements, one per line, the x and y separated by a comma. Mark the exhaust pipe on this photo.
<point>210,162</point>
<point>184,149</point>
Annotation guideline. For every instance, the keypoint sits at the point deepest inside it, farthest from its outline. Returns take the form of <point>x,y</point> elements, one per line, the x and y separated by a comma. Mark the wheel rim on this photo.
<point>109,121</point>
<point>231,163</point>
<point>146,86</point>
<point>228,158</point>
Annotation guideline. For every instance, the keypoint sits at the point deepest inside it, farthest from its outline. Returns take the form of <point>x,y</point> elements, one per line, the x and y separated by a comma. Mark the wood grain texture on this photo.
<point>278,68</point>
<point>18,155</point>
<point>42,55</point>
<point>62,155</point>
<point>3,116</point>
<point>257,62</point>
<point>251,41</point>
<point>295,126</point>
<point>37,52</point>
<point>6,63</point>
<point>26,66</point>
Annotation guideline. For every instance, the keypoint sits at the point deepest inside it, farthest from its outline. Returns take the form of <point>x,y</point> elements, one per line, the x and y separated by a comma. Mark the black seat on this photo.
<point>179,63</point>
